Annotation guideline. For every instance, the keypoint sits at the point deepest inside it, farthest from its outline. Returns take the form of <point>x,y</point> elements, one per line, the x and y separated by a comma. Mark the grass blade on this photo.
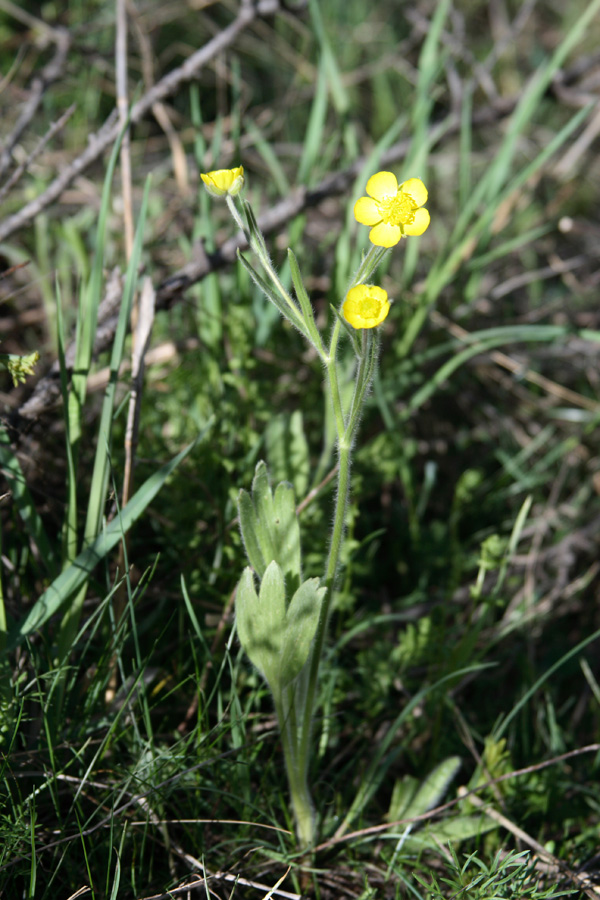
<point>73,577</point>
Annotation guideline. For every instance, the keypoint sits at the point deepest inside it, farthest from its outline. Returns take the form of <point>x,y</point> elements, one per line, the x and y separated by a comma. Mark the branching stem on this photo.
<point>295,703</point>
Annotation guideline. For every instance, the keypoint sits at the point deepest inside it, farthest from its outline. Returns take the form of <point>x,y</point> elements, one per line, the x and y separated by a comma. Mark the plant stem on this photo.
<point>369,263</point>
<point>3,625</point>
<point>297,771</point>
<point>345,438</point>
<point>236,217</point>
<point>294,705</point>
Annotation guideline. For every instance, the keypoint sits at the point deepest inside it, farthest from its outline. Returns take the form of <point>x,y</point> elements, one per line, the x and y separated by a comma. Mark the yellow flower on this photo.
<point>366,306</point>
<point>392,211</point>
<point>19,366</point>
<point>224,181</point>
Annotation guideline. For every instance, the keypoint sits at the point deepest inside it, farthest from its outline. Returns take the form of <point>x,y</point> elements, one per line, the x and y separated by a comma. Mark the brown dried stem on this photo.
<point>109,132</point>
<point>51,72</point>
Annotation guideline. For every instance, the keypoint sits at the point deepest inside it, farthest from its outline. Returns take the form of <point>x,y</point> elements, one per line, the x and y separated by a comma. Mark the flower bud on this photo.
<point>224,181</point>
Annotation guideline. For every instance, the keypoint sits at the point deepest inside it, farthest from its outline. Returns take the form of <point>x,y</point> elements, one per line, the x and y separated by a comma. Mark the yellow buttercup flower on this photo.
<point>224,181</point>
<point>366,306</point>
<point>391,210</point>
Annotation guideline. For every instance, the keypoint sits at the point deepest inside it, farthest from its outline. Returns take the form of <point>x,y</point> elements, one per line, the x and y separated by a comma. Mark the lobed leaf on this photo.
<point>301,622</point>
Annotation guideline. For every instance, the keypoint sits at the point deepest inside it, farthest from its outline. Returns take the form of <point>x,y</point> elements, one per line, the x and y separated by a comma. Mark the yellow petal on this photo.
<point>386,235</point>
<point>415,188</point>
<point>366,212</point>
<point>224,181</point>
<point>222,178</point>
<point>373,290</point>
<point>382,185</point>
<point>211,186</point>
<point>420,223</point>
<point>351,316</point>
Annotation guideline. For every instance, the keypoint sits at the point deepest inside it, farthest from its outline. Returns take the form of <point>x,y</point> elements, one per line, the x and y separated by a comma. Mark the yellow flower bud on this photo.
<point>366,306</point>
<point>224,181</point>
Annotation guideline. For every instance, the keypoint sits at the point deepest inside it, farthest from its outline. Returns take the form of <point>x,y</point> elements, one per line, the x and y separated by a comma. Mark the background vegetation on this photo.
<point>138,752</point>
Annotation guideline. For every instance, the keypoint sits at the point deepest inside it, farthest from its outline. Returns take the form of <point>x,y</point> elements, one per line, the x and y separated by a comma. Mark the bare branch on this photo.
<point>159,109</point>
<point>55,127</point>
<point>47,390</point>
<point>110,130</point>
<point>172,289</point>
<point>49,73</point>
<point>123,106</point>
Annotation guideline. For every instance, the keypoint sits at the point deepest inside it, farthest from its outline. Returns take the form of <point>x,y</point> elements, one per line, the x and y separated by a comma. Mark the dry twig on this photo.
<point>51,72</point>
<point>109,132</point>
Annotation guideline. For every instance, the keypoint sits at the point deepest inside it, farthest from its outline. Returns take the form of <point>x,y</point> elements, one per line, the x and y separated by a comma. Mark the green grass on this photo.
<point>464,639</point>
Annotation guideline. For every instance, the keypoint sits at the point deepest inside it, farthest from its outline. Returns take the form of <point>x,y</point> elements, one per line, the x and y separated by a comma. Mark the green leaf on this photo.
<point>246,606</point>
<point>248,528</point>
<point>254,232</point>
<point>287,534</point>
<point>404,790</point>
<point>272,164</point>
<point>462,828</point>
<point>287,450</point>
<point>261,620</point>
<point>384,755</point>
<point>75,575</point>
<point>301,622</point>
<point>428,793</point>
<point>286,311</point>
<point>272,601</point>
<point>263,504</point>
<point>270,528</point>
<point>305,304</point>
<point>102,460</point>
<point>89,303</point>
<point>277,640</point>
<point>312,149</point>
<point>12,471</point>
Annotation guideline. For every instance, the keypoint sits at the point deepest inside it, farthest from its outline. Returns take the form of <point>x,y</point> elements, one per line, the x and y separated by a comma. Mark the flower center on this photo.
<point>369,307</point>
<point>398,210</point>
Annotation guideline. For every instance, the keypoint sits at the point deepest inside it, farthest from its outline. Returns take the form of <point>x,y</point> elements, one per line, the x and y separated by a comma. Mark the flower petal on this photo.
<point>222,178</point>
<point>378,292</point>
<point>385,308</point>
<point>211,186</point>
<point>358,293</point>
<point>415,188</point>
<point>419,225</point>
<point>366,212</point>
<point>386,235</point>
<point>382,185</point>
<point>224,181</point>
